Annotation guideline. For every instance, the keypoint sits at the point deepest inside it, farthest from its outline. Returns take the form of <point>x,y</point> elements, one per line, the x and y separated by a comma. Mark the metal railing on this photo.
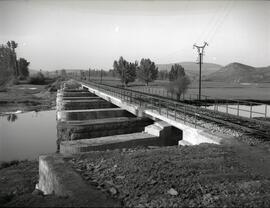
<point>231,106</point>
<point>192,114</point>
<point>240,108</point>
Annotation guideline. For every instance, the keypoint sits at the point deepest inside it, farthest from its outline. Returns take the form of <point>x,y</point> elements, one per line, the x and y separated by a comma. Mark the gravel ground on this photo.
<point>214,127</point>
<point>211,126</point>
<point>202,175</point>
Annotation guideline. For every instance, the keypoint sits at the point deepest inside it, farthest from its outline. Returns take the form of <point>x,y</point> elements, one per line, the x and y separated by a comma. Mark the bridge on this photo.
<point>93,116</point>
<point>149,119</point>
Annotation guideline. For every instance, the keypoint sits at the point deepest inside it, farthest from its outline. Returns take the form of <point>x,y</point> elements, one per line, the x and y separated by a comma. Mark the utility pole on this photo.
<point>89,75</point>
<point>200,52</point>
<point>101,76</point>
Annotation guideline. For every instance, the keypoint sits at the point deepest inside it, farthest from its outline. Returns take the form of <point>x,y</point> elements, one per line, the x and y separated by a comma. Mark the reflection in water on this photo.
<point>12,117</point>
<point>31,135</point>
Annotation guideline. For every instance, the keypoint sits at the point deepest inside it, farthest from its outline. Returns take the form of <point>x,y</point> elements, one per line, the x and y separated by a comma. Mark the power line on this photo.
<point>222,19</point>
<point>200,50</point>
<point>214,19</point>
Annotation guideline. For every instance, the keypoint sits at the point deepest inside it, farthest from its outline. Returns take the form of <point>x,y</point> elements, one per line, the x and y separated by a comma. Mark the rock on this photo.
<point>3,179</point>
<point>97,167</point>
<point>109,183</point>
<point>113,190</point>
<point>93,183</point>
<point>87,177</point>
<point>89,166</point>
<point>153,182</point>
<point>120,177</point>
<point>37,192</point>
<point>172,192</point>
<point>153,147</point>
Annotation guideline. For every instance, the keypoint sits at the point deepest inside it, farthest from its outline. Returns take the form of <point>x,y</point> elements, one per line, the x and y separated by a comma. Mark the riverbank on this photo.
<point>179,176</point>
<point>26,97</point>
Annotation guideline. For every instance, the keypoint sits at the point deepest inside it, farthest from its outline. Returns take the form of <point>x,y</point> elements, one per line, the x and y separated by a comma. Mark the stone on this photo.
<point>113,190</point>
<point>109,183</point>
<point>172,192</point>
<point>37,192</point>
<point>120,177</point>
<point>153,182</point>
<point>93,183</point>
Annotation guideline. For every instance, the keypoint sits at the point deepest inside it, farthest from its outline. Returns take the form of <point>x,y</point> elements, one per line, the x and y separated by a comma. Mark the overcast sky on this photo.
<point>82,34</point>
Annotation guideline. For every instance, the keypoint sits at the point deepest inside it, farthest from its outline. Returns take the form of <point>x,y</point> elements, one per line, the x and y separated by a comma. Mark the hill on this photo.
<point>240,73</point>
<point>192,68</point>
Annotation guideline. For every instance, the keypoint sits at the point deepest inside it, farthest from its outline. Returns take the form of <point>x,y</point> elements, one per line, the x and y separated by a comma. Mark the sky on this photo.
<point>84,34</point>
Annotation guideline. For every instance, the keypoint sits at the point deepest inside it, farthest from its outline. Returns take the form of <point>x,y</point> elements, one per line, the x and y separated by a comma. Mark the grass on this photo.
<point>8,164</point>
<point>221,90</point>
<point>23,96</point>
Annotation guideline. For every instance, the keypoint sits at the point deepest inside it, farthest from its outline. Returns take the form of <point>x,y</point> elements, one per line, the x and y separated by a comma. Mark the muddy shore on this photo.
<point>26,97</point>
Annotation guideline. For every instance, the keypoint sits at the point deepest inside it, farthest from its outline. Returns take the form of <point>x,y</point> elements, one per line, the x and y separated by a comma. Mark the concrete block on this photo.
<point>85,104</point>
<point>109,142</point>
<point>184,143</point>
<point>153,129</point>
<point>190,134</point>
<point>68,115</point>
<point>78,94</point>
<point>56,176</point>
<point>72,130</point>
<point>132,108</point>
<point>79,98</point>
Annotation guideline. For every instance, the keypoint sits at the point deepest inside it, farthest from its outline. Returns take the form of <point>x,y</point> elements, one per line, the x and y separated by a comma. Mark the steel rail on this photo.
<point>249,125</point>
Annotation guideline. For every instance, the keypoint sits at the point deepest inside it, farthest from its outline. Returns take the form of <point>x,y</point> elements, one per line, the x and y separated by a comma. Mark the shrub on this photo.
<point>15,81</point>
<point>8,164</point>
<point>179,86</point>
<point>37,79</point>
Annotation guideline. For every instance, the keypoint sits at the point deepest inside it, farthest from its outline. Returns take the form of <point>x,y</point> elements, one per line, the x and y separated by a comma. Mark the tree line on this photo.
<point>10,66</point>
<point>147,72</point>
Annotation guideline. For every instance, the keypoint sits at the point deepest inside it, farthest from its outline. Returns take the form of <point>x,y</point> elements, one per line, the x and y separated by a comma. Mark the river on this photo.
<point>27,135</point>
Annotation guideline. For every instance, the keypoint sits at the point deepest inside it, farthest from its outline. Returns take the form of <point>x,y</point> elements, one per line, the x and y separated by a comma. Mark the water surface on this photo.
<point>27,135</point>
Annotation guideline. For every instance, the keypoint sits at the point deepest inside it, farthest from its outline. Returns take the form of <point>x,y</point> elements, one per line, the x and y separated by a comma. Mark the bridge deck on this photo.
<point>179,111</point>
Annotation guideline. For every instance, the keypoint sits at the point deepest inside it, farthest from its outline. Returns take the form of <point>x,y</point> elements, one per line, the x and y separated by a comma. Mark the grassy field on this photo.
<point>221,90</point>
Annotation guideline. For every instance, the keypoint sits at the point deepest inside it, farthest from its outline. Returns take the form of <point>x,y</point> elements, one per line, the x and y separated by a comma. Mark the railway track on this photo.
<point>172,107</point>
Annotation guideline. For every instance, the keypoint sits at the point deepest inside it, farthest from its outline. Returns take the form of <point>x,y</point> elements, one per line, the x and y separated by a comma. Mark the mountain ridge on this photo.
<point>192,68</point>
<point>240,73</point>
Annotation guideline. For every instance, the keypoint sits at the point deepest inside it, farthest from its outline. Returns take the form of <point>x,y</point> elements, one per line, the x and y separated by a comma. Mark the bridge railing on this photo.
<point>192,114</point>
<point>241,108</point>
<point>169,108</point>
<point>228,105</point>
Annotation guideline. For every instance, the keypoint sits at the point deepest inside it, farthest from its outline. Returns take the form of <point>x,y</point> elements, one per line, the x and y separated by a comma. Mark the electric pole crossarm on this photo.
<point>200,50</point>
